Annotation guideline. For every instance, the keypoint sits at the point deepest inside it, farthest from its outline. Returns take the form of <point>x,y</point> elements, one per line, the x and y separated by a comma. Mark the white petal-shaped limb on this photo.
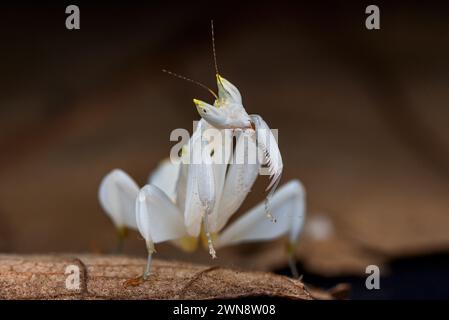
<point>267,142</point>
<point>272,158</point>
<point>206,192</point>
<point>158,219</point>
<point>288,206</point>
<point>165,177</point>
<point>221,146</point>
<point>241,175</point>
<point>200,189</point>
<point>117,195</point>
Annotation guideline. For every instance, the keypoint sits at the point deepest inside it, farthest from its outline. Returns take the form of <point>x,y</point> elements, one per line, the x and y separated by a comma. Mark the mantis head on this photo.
<point>227,110</point>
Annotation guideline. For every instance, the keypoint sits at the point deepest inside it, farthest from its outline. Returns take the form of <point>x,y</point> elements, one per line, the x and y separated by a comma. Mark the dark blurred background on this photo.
<point>362,116</point>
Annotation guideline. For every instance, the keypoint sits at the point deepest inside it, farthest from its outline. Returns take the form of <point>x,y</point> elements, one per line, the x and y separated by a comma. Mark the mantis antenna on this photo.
<point>213,46</point>
<point>190,80</point>
<point>214,52</point>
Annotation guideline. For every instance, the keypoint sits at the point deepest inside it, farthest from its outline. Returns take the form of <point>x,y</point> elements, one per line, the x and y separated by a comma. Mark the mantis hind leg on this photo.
<point>292,265</point>
<point>147,270</point>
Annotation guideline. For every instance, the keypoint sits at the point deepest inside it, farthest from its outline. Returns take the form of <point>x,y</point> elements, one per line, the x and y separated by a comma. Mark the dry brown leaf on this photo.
<point>104,277</point>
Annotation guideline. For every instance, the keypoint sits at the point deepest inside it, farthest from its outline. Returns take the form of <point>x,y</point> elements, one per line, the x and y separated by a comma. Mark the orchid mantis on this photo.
<point>194,198</point>
<point>159,219</point>
<point>185,202</point>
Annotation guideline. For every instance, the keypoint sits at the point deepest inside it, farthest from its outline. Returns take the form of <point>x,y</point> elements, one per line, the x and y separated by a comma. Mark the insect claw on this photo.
<point>211,247</point>
<point>268,211</point>
<point>210,243</point>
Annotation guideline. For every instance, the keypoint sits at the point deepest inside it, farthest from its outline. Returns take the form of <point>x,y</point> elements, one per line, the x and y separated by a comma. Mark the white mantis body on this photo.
<point>183,201</point>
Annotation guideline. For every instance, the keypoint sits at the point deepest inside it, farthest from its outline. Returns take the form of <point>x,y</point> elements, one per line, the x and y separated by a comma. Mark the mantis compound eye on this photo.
<point>213,115</point>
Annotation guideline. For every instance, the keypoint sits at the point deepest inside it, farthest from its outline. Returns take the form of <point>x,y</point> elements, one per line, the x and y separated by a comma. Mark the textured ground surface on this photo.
<point>105,277</point>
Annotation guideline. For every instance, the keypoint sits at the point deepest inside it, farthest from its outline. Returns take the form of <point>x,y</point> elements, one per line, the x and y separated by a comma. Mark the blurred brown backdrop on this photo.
<point>362,118</point>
